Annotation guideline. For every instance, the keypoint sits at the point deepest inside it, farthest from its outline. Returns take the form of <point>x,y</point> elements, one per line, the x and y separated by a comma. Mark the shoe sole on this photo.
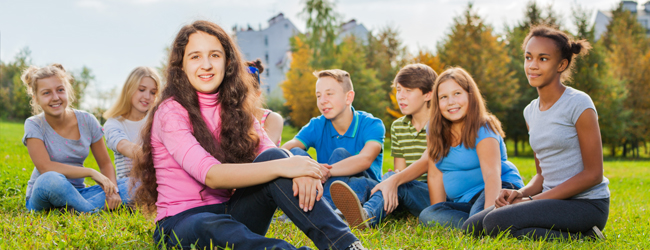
<point>346,200</point>
<point>599,234</point>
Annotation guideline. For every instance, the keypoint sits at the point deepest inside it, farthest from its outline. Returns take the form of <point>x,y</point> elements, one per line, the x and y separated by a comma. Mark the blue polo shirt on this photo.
<point>320,134</point>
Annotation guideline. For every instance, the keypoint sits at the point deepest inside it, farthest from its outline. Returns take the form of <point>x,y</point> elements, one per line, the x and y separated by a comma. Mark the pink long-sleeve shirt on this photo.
<point>181,163</point>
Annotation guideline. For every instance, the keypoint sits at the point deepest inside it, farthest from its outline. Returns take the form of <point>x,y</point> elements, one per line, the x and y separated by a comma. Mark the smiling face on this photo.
<point>453,101</point>
<point>204,62</point>
<point>51,95</point>
<point>144,96</point>
<point>331,99</point>
<point>411,100</point>
<point>543,62</point>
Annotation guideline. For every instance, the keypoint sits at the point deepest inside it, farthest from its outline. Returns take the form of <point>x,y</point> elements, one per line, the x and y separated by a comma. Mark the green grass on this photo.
<point>628,226</point>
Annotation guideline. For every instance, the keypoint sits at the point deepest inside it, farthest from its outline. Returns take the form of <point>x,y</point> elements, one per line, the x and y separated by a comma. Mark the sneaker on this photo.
<point>346,200</point>
<point>356,246</point>
<point>282,218</point>
<point>339,213</point>
<point>598,234</point>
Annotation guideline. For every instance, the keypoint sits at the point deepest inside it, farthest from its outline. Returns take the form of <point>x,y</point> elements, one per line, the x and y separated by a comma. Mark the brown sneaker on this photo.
<point>346,200</point>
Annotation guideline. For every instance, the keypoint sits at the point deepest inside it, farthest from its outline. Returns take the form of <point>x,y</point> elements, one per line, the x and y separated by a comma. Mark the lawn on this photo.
<point>628,226</point>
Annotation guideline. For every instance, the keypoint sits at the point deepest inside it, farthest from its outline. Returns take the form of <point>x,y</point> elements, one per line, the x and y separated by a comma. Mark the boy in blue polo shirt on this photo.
<point>349,143</point>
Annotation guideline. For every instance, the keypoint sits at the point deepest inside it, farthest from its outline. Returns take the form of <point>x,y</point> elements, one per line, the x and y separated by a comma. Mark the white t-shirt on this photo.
<point>554,138</point>
<point>118,129</point>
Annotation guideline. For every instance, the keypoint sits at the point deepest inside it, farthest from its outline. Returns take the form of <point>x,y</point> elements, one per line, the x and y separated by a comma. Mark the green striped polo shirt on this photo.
<point>407,142</point>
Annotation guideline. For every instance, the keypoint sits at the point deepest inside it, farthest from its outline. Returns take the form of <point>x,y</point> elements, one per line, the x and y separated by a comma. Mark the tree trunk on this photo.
<point>624,149</point>
<point>516,151</point>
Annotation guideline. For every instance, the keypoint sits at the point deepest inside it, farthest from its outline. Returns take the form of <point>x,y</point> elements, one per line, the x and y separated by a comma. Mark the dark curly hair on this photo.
<point>237,100</point>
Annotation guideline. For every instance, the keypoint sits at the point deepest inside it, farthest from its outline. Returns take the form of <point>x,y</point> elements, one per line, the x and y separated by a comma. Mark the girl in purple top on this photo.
<point>58,139</point>
<point>202,142</point>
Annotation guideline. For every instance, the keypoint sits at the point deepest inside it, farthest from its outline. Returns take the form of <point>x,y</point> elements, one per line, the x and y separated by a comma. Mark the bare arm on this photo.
<point>129,149</point>
<point>293,143</point>
<point>399,163</point>
<point>592,159</point>
<point>489,156</point>
<point>41,159</point>
<point>274,126</point>
<point>103,160</point>
<point>437,192</point>
<point>228,176</point>
<point>357,163</point>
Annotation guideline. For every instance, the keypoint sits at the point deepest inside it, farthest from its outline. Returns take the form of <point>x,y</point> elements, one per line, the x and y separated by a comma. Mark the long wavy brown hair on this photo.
<point>440,138</point>
<point>237,100</point>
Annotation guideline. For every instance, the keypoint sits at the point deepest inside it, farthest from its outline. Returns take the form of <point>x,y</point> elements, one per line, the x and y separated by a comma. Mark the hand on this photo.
<point>309,190</point>
<point>507,197</point>
<point>301,166</point>
<point>107,185</point>
<point>388,188</point>
<point>325,171</point>
<point>113,201</point>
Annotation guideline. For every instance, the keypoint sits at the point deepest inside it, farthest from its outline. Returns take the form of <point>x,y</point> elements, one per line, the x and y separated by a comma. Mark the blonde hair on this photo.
<point>341,76</point>
<point>123,105</point>
<point>31,76</point>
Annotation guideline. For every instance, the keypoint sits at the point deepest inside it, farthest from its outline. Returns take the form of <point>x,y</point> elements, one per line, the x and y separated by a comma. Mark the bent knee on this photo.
<point>51,179</point>
<point>271,154</point>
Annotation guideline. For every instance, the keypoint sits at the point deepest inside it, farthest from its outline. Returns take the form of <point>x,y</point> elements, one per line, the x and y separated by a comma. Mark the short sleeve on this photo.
<point>527,111</point>
<point>581,103</point>
<point>396,150</point>
<point>32,130</point>
<point>114,133</point>
<point>96,129</point>
<point>307,134</point>
<point>486,132</point>
<point>375,131</point>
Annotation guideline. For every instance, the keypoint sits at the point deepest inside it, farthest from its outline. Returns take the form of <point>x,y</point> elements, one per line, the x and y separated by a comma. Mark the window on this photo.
<point>266,57</point>
<point>267,72</point>
<point>266,40</point>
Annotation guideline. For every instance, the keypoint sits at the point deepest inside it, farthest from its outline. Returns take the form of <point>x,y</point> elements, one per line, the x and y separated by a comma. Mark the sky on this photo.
<point>113,37</point>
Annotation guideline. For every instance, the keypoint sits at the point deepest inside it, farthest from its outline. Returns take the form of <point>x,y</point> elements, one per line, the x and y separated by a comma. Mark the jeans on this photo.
<point>454,214</point>
<point>360,183</point>
<point>53,190</point>
<point>542,219</point>
<point>412,196</point>
<point>243,221</point>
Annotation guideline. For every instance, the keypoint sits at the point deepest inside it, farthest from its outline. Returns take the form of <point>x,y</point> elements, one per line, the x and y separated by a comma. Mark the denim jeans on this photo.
<point>454,214</point>
<point>243,221</point>
<point>412,196</point>
<point>53,190</point>
<point>360,183</point>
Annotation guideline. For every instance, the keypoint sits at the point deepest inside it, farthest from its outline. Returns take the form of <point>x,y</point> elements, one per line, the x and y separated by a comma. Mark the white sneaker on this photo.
<point>599,234</point>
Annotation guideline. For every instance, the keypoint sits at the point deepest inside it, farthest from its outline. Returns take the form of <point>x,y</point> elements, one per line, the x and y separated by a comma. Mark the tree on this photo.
<point>79,83</point>
<point>20,106</point>
<point>629,61</point>
<point>473,46</point>
<point>299,89</point>
<point>513,122</point>
<point>322,31</point>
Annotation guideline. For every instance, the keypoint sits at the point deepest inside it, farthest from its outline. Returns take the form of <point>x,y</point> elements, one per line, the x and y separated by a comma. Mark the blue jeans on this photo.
<point>360,183</point>
<point>53,190</point>
<point>243,221</point>
<point>454,214</point>
<point>413,196</point>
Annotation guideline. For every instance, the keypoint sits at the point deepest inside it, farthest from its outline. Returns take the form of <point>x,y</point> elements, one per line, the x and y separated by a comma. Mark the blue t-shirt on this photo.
<point>461,169</point>
<point>320,134</point>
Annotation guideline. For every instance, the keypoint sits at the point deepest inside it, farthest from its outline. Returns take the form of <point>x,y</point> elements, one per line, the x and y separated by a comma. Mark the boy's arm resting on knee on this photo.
<point>399,163</point>
<point>41,159</point>
<point>436,187</point>
<point>293,143</point>
<point>357,163</point>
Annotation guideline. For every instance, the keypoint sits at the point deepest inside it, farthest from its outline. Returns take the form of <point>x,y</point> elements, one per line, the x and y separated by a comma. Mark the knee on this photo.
<point>386,175</point>
<point>298,151</point>
<point>427,216</point>
<point>51,180</point>
<point>271,154</point>
<point>341,152</point>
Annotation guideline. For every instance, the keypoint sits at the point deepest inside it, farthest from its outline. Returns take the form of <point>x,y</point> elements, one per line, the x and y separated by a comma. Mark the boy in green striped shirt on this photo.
<point>413,85</point>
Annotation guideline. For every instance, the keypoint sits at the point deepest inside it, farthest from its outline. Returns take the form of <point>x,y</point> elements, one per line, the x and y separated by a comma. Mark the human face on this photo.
<point>144,96</point>
<point>411,100</point>
<point>453,100</point>
<point>331,98</point>
<point>204,62</point>
<point>51,95</point>
<point>543,63</point>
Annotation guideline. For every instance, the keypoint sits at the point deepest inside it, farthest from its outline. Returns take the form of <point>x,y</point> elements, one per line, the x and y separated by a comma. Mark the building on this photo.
<point>272,46</point>
<point>604,17</point>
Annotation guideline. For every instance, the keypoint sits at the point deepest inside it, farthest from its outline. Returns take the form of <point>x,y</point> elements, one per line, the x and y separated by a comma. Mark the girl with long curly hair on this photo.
<point>210,171</point>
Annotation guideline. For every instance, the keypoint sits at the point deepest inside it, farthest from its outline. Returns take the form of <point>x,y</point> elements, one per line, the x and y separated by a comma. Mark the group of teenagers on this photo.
<point>207,160</point>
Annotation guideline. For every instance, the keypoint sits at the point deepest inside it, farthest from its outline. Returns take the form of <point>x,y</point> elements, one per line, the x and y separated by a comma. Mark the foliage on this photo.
<point>474,46</point>
<point>299,89</point>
